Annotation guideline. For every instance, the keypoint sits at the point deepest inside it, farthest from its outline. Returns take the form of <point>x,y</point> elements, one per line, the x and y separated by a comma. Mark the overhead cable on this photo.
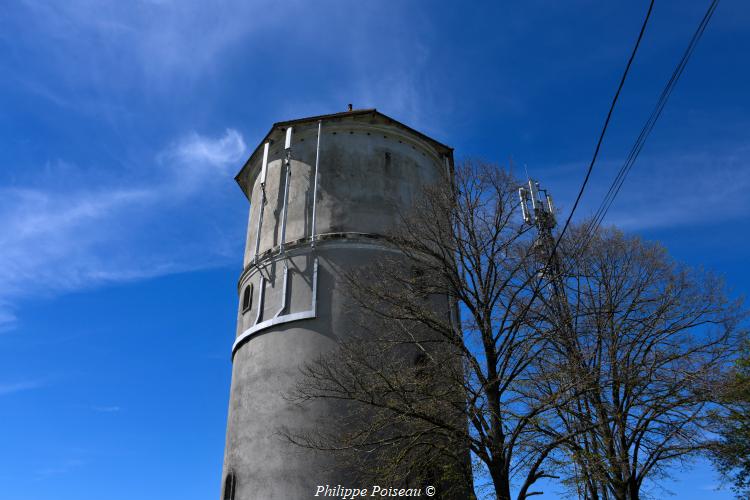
<point>635,151</point>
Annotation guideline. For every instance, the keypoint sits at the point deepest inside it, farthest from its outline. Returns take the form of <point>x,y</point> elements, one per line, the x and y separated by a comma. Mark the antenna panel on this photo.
<point>533,194</point>
<point>524,211</point>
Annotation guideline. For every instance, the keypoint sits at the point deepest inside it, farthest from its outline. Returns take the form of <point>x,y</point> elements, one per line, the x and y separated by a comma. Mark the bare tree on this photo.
<point>603,367</point>
<point>444,360</point>
<point>645,340</point>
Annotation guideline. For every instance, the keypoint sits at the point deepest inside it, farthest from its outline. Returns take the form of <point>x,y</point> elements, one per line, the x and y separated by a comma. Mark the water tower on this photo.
<point>322,190</point>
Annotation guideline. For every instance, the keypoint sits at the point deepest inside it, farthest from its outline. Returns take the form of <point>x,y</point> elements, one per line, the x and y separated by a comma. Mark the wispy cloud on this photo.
<point>14,387</point>
<point>663,191</point>
<point>63,467</point>
<point>102,57</point>
<point>106,409</point>
<point>55,240</point>
<point>686,189</point>
<point>195,159</point>
<point>145,41</point>
<point>93,57</point>
<point>7,318</point>
<point>220,152</point>
<point>393,75</point>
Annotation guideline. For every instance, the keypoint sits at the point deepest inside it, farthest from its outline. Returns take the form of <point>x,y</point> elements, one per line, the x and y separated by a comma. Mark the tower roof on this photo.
<point>244,173</point>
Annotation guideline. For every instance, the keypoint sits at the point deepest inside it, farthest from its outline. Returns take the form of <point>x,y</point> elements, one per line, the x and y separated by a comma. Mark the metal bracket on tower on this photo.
<point>283,291</point>
<point>280,319</point>
<point>263,171</point>
<point>288,175</point>
<point>315,186</point>
<point>261,297</point>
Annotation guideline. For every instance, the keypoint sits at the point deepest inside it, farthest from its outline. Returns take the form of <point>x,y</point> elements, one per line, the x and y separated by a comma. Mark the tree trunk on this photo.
<point>633,489</point>
<point>501,482</point>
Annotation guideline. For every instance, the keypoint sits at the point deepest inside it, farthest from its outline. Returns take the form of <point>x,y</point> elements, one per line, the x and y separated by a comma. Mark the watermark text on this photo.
<point>348,493</point>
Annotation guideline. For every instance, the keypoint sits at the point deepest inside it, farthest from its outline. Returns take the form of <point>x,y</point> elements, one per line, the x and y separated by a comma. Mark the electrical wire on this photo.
<point>544,271</point>
<point>635,151</point>
<point>598,145</point>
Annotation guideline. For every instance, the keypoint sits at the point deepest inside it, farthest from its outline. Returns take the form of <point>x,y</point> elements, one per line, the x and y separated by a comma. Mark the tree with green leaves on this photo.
<point>732,453</point>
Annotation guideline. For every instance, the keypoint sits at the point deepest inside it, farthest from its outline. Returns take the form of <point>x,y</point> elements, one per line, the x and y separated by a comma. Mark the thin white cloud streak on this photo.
<point>63,467</point>
<point>220,152</point>
<point>95,52</point>
<point>56,240</point>
<point>186,40</point>
<point>195,159</point>
<point>662,191</point>
<point>12,388</point>
<point>152,41</point>
<point>91,54</point>
<point>7,317</point>
<point>397,73</point>
<point>106,409</point>
<point>685,189</point>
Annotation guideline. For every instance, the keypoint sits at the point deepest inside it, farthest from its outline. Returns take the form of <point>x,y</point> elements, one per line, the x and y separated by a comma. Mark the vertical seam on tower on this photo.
<point>287,179</point>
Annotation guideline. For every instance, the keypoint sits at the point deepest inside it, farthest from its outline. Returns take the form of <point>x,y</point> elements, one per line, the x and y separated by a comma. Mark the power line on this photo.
<point>552,253</point>
<point>604,128</point>
<point>635,151</point>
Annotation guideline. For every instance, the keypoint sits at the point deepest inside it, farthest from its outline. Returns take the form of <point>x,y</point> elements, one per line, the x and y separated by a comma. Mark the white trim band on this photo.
<point>286,318</point>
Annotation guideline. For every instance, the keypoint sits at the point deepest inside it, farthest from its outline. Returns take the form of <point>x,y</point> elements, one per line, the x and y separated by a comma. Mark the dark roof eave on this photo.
<point>355,112</point>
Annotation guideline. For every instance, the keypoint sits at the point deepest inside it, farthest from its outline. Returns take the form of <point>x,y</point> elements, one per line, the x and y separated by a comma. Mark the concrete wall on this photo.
<point>369,170</point>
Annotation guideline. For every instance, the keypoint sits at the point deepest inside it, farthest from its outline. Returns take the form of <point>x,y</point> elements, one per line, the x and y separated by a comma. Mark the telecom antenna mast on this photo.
<point>538,210</point>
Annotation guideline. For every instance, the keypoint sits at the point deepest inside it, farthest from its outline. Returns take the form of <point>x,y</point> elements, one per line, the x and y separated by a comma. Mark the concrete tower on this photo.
<point>322,190</point>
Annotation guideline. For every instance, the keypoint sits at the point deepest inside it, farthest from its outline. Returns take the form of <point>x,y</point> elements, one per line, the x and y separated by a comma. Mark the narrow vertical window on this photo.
<point>419,282</point>
<point>230,484</point>
<point>421,369</point>
<point>247,298</point>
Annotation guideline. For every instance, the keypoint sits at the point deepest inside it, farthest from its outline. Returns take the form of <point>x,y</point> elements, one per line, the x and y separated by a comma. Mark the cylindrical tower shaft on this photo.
<point>322,191</point>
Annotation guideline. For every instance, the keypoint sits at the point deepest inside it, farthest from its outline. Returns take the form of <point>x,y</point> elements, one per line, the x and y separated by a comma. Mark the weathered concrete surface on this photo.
<point>370,169</point>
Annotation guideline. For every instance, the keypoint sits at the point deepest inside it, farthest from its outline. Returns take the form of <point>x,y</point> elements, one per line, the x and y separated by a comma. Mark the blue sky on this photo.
<point>121,229</point>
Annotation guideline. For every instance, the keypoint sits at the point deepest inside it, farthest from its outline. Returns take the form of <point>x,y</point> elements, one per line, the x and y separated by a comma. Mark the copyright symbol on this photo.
<point>430,491</point>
